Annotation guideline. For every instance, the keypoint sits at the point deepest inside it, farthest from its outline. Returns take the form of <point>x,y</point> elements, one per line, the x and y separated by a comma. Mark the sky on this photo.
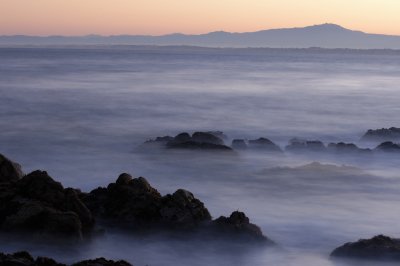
<point>157,17</point>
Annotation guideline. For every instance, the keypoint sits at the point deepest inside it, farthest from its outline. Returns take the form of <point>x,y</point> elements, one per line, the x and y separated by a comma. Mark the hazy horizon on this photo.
<point>203,33</point>
<point>74,17</point>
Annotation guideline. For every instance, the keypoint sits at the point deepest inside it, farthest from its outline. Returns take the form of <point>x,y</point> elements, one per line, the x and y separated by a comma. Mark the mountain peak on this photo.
<point>327,26</point>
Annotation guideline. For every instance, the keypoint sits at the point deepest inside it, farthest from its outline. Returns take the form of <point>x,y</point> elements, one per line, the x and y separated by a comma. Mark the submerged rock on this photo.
<point>383,134</point>
<point>377,248</point>
<point>264,144</point>
<point>23,258</point>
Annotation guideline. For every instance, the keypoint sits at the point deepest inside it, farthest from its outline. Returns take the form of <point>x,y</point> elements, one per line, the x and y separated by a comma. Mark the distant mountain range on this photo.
<point>324,36</point>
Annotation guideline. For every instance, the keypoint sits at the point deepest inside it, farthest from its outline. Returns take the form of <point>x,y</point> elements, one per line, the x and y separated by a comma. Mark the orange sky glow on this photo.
<point>156,17</point>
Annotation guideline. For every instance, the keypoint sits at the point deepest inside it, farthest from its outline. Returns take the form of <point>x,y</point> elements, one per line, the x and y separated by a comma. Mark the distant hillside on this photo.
<point>324,36</point>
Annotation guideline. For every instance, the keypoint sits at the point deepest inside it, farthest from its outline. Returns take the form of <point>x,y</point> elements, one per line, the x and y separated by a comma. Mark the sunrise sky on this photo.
<point>155,17</point>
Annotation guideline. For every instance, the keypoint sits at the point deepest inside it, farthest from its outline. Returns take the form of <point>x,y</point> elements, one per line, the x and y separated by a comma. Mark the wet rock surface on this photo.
<point>23,258</point>
<point>377,248</point>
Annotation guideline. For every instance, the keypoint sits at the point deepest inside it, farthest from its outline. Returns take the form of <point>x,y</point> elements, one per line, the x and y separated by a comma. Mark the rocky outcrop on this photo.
<point>134,201</point>
<point>377,248</point>
<point>264,144</point>
<point>388,146</point>
<point>36,204</point>
<point>9,170</point>
<point>382,135</point>
<point>347,148</point>
<point>23,258</point>
<point>238,225</point>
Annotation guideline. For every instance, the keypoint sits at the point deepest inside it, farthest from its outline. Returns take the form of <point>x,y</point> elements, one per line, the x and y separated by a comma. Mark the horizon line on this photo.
<point>190,34</point>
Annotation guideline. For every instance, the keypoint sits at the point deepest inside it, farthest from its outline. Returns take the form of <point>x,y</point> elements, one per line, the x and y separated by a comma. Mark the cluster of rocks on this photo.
<point>36,204</point>
<point>23,258</point>
<point>377,248</point>
<point>382,135</point>
<point>215,141</point>
<point>211,140</point>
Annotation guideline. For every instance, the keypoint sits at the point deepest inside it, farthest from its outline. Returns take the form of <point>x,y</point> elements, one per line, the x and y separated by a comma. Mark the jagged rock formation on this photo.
<point>377,248</point>
<point>133,200</point>
<point>35,204</point>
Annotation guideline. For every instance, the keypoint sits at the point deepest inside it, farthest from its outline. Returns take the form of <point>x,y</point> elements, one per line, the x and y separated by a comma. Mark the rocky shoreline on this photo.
<point>36,205</point>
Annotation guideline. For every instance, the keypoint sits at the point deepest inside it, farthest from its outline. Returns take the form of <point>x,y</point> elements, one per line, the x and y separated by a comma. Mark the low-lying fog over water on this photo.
<point>81,112</point>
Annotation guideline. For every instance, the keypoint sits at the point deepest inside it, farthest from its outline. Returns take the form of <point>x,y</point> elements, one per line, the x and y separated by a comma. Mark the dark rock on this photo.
<point>347,148</point>
<point>102,262</point>
<point>36,204</point>
<point>9,170</point>
<point>388,146</point>
<point>239,144</point>
<point>183,209</point>
<point>381,135</point>
<point>264,144</point>
<point>124,179</point>
<point>205,137</point>
<point>299,145</point>
<point>139,204</point>
<point>23,258</point>
<point>199,141</point>
<point>238,225</point>
<point>182,137</point>
<point>377,248</point>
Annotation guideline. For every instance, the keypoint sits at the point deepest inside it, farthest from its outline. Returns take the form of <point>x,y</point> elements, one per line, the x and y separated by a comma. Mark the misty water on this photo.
<point>80,113</point>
